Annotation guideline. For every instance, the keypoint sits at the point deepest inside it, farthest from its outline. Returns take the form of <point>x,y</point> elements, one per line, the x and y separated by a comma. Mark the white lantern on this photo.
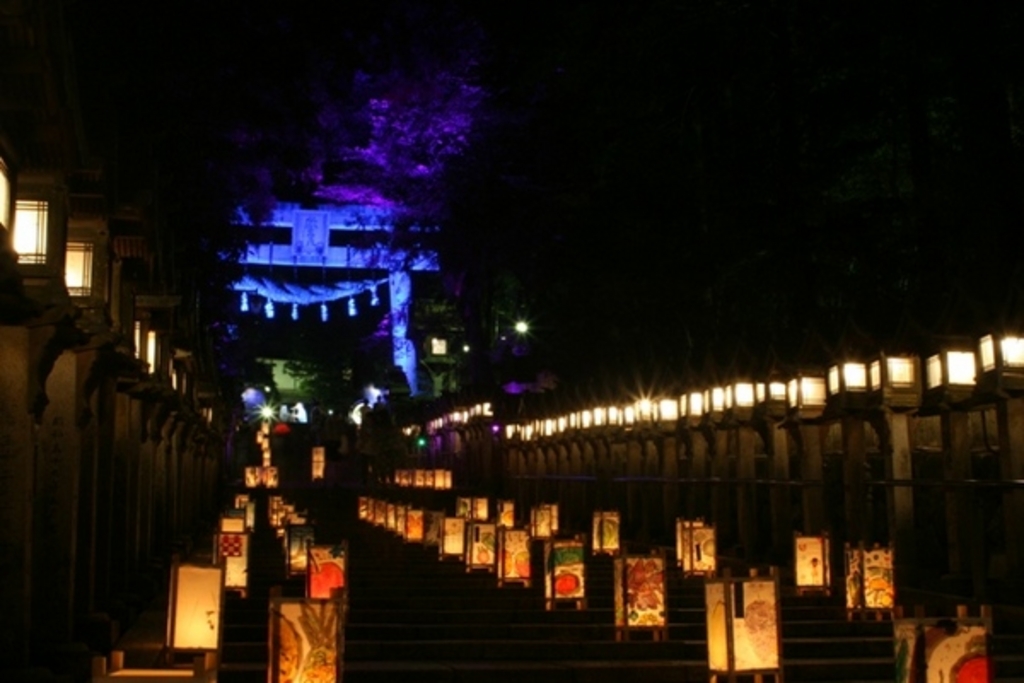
<point>195,608</point>
<point>453,538</point>
<point>306,639</point>
<point>481,546</point>
<point>695,547</point>
<point>743,627</point>
<point>513,556</point>
<point>297,537</point>
<point>233,552</point>
<point>506,513</point>
<point>812,563</point>
<point>319,462</point>
<point>606,525</point>
<point>564,572</point>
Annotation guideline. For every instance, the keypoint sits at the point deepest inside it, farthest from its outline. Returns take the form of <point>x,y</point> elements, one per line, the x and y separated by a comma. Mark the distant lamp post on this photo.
<point>771,396</point>
<point>1001,361</point>
<point>806,395</point>
<point>950,374</point>
<point>694,403</point>
<point>895,381</point>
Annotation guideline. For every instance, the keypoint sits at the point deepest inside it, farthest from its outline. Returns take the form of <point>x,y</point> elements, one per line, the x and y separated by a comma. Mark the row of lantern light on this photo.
<point>955,374</point>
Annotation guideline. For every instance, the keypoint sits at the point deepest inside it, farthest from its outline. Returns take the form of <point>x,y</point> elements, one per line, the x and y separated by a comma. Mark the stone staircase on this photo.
<point>414,617</point>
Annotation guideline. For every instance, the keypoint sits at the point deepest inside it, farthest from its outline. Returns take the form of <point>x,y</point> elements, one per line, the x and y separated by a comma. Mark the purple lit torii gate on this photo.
<point>308,244</point>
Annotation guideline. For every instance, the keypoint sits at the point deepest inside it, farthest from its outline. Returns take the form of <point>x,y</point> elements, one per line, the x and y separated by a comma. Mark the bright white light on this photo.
<point>245,302</point>
<point>323,312</point>
<point>267,412</point>
<point>269,309</point>
<point>352,311</point>
<point>522,327</point>
<point>374,298</point>
<point>295,311</point>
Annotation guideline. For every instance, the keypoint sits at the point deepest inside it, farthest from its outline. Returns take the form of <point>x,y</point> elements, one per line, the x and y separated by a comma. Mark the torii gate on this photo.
<point>310,247</point>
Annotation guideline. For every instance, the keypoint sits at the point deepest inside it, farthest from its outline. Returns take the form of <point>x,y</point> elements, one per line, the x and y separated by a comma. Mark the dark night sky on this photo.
<point>649,182</point>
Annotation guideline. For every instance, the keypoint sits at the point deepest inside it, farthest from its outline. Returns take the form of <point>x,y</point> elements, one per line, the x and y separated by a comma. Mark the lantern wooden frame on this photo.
<point>433,528</point>
<point>463,506</point>
<point>190,607</point>
<point>512,544</point>
<point>727,627</point>
<point>481,546</point>
<point>809,550</point>
<point>506,513</point>
<point>696,545</point>
<point>544,520</point>
<point>253,477</point>
<point>635,574</point>
<point>328,615</point>
<point>606,537</point>
<point>414,525</point>
<point>236,567</point>
<point>870,580</point>
<point>562,557</point>
<point>480,510</point>
<point>363,507</point>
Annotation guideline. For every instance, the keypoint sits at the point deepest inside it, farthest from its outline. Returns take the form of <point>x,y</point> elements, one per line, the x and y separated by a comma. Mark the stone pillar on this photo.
<point>1010,419</point>
<point>721,510</point>
<point>854,460</point>
<point>88,502</point>
<point>649,492</point>
<point>899,465</point>
<point>812,474</point>
<point>18,390</point>
<point>634,500</point>
<point>108,405</point>
<point>670,489</point>
<point>746,492</point>
<point>697,500</point>
<point>782,515</point>
<point>55,501</point>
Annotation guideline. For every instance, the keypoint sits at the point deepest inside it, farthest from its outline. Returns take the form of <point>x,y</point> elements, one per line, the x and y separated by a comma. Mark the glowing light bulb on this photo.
<point>323,312</point>
<point>374,299</point>
<point>352,308</point>
<point>269,309</point>
<point>245,302</point>
<point>295,311</point>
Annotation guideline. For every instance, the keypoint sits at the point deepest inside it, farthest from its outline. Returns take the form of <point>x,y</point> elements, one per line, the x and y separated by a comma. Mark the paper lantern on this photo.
<point>811,562</point>
<point>306,640</point>
<point>544,520</point>
<point>363,506</point>
<point>390,517</point>
<point>419,478</point>
<point>743,626</point>
<point>564,572</point>
<point>442,479</point>
<point>401,511</point>
<point>453,537</point>
<point>241,500</point>
<point>234,524</point>
<point>605,533</point>
<point>270,477</point>
<point>319,462</point>
<point>414,525</point>
<point>253,477</point>
<point>233,552</point>
<point>428,479</point>
<point>297,537</point>
<point>481,545</point>
<point>506,513</point>
<point>433,528</point>
<point>250,515</point>
<point>326,570</point>
<point>196,603</point>
<point>380,513</point>
<point>403,477</point>
<point>870,578</point>
<point>480,511</point>
<point>640,602</point>
<point>513,556</point>
<point>695,547</point>
<point>955,650</point>
<point>463,506</point>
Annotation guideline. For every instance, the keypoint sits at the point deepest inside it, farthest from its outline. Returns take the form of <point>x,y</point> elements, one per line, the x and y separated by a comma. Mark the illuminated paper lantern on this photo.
<point>253,477</point>
<point>950,650</point>
<point>241,500</point>
<point>428,479</point>
<point>232,523</point>
<point>390,517</point>
<point>640,602</point>
<point>481,510</point>
<point>453,537</point>
<point>743,627</point>
<point>363,506</point>
<point>414,525</point>
<point>695,547</point>
<point>400,515</point>
<point>306,640</point>
<point>605,533</point>
<point>544,520</point>
<point>811,561</point>
<point>250,515</point>
<point>870,578</point>
<point>325,570</point>
<point>481,546</point>
<point>419,478</point>
<point>564,572</point>
<point>319,462</point>
<point>297,537</point>
<point>380,513</point>
<point>433,528</point>
<point>403,477</point>
<point>442,479</point>
<point>196,603</point>
<point>506,513</point>
<point>513,556</point>
<point>463,507</point>
<point>270,477</point>
<point>233,553</point>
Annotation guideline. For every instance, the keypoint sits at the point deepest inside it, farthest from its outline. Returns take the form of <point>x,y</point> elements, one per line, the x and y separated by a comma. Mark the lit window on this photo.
<point>30,218</point>
<point>438,347</point>
<point>78,268</point>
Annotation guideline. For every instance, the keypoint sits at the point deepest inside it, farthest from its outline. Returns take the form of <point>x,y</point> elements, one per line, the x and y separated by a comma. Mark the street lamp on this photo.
<point>1001,361</point>
<point>950,373</point>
